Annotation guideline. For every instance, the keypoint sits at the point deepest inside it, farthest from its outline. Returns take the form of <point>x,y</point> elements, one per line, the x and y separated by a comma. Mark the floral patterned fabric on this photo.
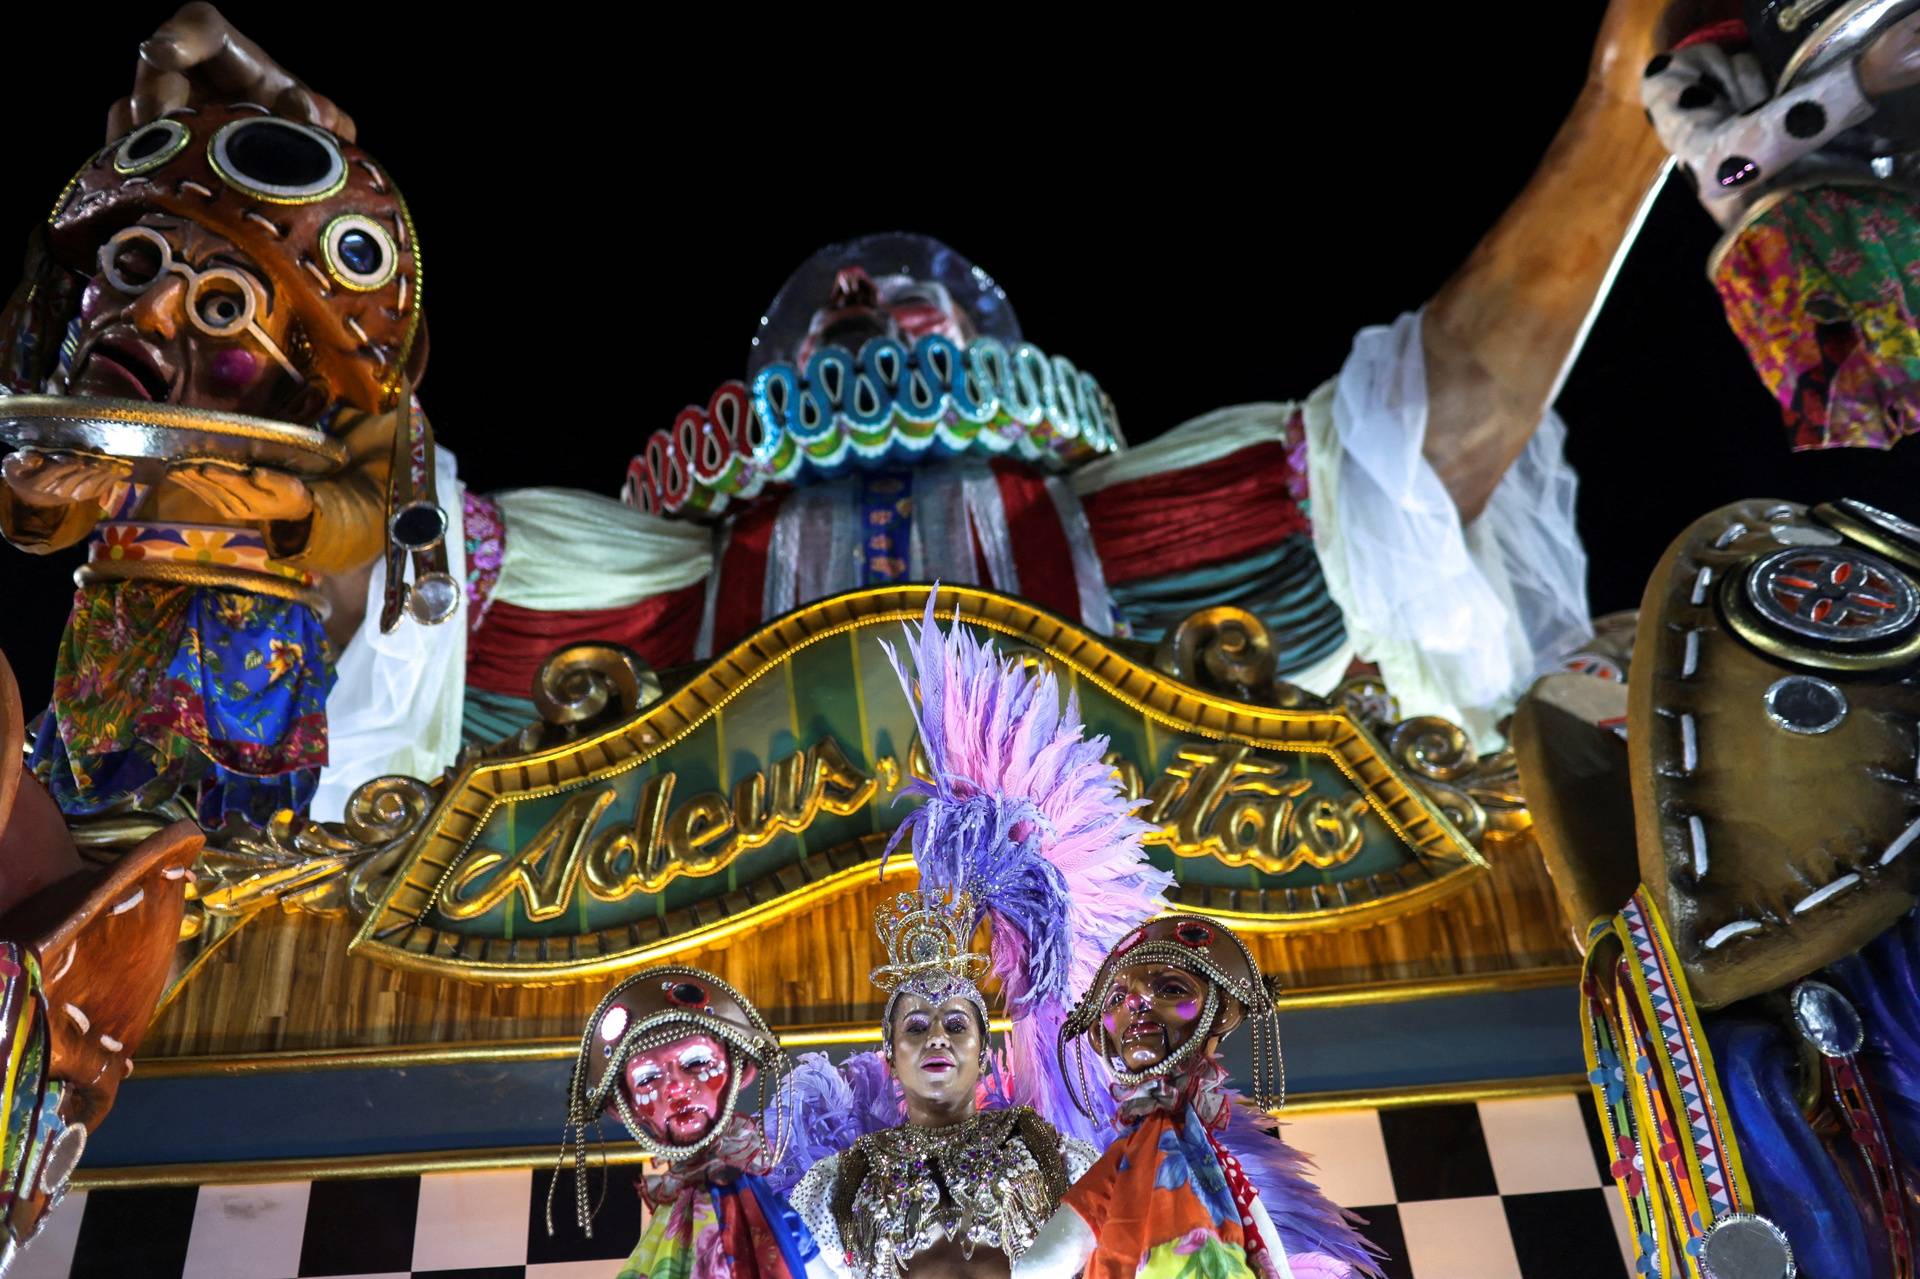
<point>723,1229</point>
<point>200,544</point>
<point>486,534</point>
<point>1823,289</point>
<point>1161,1206</point>
<point>160,688</point>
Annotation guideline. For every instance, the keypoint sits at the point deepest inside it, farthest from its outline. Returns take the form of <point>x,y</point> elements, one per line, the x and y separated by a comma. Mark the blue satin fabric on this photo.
<point>1814,1189</point>
<point>1795,1178</point>
<point>1883,981</point>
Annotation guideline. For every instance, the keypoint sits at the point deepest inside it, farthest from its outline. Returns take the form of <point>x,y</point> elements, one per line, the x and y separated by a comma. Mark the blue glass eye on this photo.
<point>360,252</point>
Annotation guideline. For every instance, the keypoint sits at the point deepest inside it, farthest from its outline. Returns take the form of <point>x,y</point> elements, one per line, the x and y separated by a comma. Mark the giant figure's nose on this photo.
<point>159,310</point>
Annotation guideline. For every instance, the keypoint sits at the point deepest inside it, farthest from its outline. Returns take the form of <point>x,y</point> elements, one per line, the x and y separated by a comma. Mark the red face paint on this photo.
<point>677,1092</point>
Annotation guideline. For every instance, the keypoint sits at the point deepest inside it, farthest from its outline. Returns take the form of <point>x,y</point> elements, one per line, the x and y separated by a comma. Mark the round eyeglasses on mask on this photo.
<point>221,301</point>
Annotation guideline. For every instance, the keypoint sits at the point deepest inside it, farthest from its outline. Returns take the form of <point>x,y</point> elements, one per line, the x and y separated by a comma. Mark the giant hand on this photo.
<point>1892,62</point>
<point>197,56</point>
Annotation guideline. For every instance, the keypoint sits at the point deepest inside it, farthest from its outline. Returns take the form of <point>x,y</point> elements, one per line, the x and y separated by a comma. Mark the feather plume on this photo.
<point>823,1110</point>
<point>1024,813</point>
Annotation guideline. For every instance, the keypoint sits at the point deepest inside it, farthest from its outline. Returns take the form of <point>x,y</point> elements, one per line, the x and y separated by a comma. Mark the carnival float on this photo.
<point>919,817</point>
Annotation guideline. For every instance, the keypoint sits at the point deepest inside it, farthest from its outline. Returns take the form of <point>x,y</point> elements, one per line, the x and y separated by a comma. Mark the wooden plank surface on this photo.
<point>285,981</point>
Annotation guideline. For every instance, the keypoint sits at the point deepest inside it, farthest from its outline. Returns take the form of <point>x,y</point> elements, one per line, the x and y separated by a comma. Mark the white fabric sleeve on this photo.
<point>1277,1260</point>
<point>397,699</point>
<point>1078,1156</point>
<point>1060,1250</point>
<point>1195,442</point>
<point>1459,619</point>
<point>1714,111</point>
<point>812,1199</point>
<point>570,549</point>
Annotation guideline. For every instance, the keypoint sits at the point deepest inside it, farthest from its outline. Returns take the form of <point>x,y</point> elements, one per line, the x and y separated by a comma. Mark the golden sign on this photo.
<point>700,837</point>
<point>567,861</point>
<point>1219,800</point>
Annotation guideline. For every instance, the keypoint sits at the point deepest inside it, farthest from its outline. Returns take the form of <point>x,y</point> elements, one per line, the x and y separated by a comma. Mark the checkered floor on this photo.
<point>1497,1190</point>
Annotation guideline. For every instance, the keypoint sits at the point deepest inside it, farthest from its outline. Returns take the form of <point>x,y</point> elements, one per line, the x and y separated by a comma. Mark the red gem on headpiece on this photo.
<point>687,995</point>
<point>1198,936</point>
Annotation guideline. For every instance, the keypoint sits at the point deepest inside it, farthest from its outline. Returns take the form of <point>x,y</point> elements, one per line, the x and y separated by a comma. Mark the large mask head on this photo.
<point>1774,739</point>
<point>1166,997</point>
<point>895,284</point>
<point>669,1051</point>
<point>224,258</point>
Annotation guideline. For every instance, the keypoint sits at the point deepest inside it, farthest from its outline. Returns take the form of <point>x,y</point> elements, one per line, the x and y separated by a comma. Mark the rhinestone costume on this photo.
<point>988,1182</point>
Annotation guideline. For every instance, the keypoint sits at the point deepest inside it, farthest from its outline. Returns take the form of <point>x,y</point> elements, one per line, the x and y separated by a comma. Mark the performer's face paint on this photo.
<point>1150,1010</point>
<point>678,1091</point>
<point>936,1049</point>
<point>177,314</point>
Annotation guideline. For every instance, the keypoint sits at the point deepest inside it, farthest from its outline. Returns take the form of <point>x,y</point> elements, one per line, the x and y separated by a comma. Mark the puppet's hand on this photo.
<point>56,479</point>
<point>197,56</point>
<point>252,494</point>
<point>1892,61</point>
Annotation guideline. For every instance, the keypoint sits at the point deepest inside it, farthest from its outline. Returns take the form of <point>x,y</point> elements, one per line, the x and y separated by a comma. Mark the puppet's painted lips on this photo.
<point>1143,1030</point>
<point>134,368</point>
<point>688,1110</point>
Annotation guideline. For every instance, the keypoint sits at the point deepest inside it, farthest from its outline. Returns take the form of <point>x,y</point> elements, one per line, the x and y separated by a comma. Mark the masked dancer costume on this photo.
<point>1022,824</point>
<point>1191,1184</point>
<point>670,1051</point>
<point>218,260</point>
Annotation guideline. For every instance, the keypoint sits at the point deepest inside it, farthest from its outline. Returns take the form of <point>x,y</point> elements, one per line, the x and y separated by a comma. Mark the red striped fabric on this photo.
<point>1208,514</point>
<point>505,654</point>
<point>1041,555</point>
<point>742,574</point>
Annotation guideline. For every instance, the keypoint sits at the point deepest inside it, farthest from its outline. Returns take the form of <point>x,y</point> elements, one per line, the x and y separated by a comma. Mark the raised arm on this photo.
<point>1501,332</point>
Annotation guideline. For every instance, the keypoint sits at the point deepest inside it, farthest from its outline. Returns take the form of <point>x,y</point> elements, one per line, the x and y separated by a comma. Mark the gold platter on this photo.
<point>138,430</point>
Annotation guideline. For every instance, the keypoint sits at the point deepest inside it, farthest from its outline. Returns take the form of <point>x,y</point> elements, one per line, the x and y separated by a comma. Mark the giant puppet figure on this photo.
<point>212,357</point>
<point>671,1052</point>
<point>895,424</point>
<point>1797,123</point>
<point>1750,1004</point>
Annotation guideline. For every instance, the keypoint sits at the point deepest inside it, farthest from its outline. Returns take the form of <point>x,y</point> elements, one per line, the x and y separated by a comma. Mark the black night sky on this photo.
<point>1198,217</point>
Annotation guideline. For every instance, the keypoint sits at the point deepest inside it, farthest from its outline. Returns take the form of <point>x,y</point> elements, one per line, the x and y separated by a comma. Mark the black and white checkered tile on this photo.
<point>1494,1190</point>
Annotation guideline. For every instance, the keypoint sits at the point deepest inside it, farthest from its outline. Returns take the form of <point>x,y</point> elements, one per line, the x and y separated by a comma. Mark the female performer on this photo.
<point>1019,806</point>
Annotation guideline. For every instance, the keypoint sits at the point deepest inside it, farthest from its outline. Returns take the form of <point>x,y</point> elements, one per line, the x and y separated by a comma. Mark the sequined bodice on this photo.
<point>989,1182</point>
